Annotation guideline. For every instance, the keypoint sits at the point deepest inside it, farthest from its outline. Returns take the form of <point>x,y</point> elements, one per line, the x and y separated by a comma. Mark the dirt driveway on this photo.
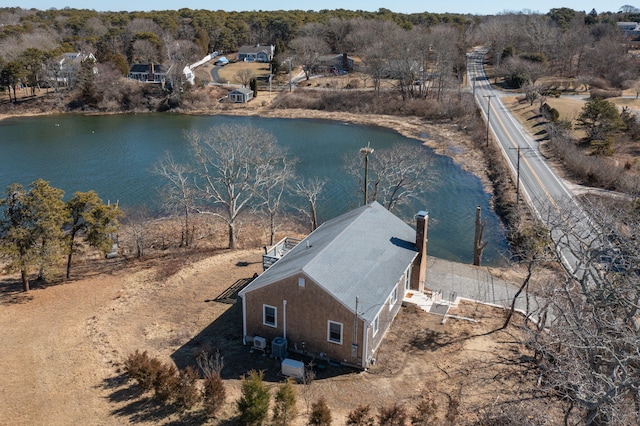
<point>62,348</point>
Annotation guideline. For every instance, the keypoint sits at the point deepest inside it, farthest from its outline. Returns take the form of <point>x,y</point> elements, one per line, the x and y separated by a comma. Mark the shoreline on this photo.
<point>445,139</point>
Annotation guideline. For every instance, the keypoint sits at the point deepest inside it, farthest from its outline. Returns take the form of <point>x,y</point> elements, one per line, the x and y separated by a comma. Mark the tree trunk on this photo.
<point>232,236</point>
<point>69,264</point>
<point>478,245</point>
<point>186,226</point>
<point>272,229</point>
<point>72,237</point>
<point>515,297</point>
<point>314,219</point>
<point>25,280</point>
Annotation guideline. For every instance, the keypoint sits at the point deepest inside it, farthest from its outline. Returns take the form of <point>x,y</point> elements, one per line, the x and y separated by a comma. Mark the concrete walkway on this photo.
<point>449,282</point>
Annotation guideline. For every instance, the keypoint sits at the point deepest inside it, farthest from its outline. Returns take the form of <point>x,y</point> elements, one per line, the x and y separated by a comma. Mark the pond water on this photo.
<point>114,154</point>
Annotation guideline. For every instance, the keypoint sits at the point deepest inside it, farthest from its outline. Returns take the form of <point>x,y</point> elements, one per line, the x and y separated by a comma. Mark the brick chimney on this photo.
<point>152,71</point>
<point>422,220</point>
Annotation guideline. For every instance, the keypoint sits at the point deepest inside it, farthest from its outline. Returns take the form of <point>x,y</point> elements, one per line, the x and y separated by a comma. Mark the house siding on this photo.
<point>308,311</point>
<point>385,318</point>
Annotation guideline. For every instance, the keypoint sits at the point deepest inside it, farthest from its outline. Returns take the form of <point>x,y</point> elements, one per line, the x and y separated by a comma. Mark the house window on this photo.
<point>301,282</point>
<point>376,325</point>
<point>394,297</point>
<point>407,279</point>
<point>334,332</point>
<point>269,315</point>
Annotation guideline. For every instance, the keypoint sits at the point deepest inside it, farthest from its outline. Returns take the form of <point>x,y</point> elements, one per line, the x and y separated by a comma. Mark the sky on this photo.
<point>475,7</point>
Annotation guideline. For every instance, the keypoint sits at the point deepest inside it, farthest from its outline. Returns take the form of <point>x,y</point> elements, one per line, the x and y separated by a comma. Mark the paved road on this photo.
<point>539,186</point>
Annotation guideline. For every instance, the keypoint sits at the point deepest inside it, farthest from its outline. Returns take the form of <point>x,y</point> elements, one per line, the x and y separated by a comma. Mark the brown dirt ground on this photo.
<point>63,346</point>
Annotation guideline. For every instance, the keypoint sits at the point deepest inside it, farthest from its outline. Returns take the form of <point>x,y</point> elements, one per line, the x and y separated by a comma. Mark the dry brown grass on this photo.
<point>228,72</point>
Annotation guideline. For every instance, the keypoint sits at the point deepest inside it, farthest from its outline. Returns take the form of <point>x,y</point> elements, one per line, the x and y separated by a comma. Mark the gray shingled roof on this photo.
<point>243,90</point>
<point>361,253</point>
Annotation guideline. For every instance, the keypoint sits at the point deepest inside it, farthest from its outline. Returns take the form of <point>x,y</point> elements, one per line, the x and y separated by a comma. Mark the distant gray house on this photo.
<point>335,293</point>
<point>256,53</point>
<point>241,95</point>
<point>328,63</point>
<point>631,29</point>
<point>148,73</point>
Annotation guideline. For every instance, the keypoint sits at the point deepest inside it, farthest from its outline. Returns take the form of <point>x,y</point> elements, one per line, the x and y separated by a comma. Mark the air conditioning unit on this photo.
<point>279,348</point>
<point>259,343</point>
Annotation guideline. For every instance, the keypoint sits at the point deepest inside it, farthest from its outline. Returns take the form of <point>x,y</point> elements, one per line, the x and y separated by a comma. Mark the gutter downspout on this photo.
<point>284,318</point>
<point>365,344</point>
<point>244,321</point>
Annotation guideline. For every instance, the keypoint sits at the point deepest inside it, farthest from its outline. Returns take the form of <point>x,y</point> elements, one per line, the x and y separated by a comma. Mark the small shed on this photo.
<point>241,95</point>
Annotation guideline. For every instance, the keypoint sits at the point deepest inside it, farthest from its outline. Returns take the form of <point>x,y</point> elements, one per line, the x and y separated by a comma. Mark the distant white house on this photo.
<point>240,95</point>
<point>69,66</point>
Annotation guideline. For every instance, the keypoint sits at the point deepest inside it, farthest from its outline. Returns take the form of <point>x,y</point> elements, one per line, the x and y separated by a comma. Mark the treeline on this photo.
<point>424,53</point>
<point>38,228</point>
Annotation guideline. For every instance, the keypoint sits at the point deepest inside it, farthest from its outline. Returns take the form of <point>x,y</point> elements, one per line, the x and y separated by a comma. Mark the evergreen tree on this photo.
<point>254,402</point>
<point>320,414</point>
<point>98,221</point>
<point>284,409</point>
<point>600,119</point>
<point>31,227</point>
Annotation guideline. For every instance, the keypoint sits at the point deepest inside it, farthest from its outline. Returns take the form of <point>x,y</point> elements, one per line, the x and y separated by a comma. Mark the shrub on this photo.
<point>143,369</point>
<point>213,394</point>
<point>361,416</point>
<point>604,94</point>
<point>549,113</point>
<point>187,394</point>
<point>425,413</point>
<point>320,414</point>
<point>254,402</point>
<point>165,384</point>
<point>284,409</point>
<point>395,415</point>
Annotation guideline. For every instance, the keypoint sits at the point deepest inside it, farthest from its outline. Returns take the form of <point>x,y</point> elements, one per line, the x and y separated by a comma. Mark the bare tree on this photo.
<point>180,53</point>
<point>444,69</point>
<point>310,190</point>
<point>307,50</point>
<point>230,166</point>
<point>308,377</point>
<point>396,175</point>
<point>275,177</point>
<point>365,39</point>
<point>244,76</point>
<point>144,51</point>
<point>179,193</point>
<point>587,348</point>
<point>138,221</point>
<point>337,32</point>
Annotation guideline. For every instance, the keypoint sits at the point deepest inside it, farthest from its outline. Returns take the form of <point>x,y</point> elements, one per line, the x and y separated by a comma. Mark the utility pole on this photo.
<point>518,174</point>
<point>366,151</point>
<point>488,113</point>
